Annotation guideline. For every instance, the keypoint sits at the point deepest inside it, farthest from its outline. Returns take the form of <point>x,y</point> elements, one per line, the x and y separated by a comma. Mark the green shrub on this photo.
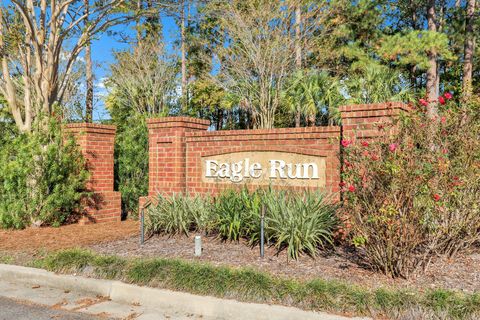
<point>229,210</point>
<point>297,222</point>
<point>179,214</point>
<point>170,215</point>
<point>413,194</point>
<point>131,161</point>
<point>42,179</point>
<point>301,224</point>
<point>203,216</point>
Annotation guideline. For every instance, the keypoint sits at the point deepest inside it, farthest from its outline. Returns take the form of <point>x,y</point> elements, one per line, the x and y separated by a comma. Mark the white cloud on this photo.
<point>100,84</point>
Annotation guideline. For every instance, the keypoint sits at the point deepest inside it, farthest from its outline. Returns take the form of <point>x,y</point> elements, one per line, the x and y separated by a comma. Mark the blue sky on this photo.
<point>102,56</point>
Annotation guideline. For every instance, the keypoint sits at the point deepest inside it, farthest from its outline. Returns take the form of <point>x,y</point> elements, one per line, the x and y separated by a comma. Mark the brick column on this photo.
<point>167,153</point>
<point>362,120</point>
<point>96,142</point>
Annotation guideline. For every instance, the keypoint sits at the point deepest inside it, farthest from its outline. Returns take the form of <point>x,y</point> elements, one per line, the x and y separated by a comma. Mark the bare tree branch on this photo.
<point>45,65</point>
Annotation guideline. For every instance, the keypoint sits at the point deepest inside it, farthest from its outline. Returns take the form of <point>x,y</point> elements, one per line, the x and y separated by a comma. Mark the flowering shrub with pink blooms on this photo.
<point>414,194</point>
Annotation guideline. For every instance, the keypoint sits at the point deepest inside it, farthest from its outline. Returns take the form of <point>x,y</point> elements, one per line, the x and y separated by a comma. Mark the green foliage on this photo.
<point>297,222</point>
<point>207,97</point>
<point>178,215</point>
<point>229,209</point>
<point>374,83</point>
<point>314,93</point>
<point>255,286</point>
<point>142,85</point>
<point>170,216</point>
<point>131,161</point>
<point>8,131</point>
<point>6,259</point>
<point>210,101</point>
<point>410,48</point>
<point>42,179</point>
<point>142,80</point>
<point>413,194</point>
<point>301,224</point>
<point>72,260</point>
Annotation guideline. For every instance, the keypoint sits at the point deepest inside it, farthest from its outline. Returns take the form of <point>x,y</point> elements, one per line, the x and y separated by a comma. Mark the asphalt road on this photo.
<point>15,310</point>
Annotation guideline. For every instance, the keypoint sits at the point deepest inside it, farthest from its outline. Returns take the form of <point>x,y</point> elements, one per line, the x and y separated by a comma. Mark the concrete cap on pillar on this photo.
<point>178,122</point>
<point>373,109</point>
<point>90,128</point>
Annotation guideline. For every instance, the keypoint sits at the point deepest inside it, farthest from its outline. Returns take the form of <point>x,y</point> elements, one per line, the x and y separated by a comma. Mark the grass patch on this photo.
<point>6,259</point>
<point>253,286</point>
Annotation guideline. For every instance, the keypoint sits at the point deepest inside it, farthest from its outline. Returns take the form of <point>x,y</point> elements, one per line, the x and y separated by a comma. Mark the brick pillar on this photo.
<point>96,142</point>
<point>167,153</point>
<point>362,120</point>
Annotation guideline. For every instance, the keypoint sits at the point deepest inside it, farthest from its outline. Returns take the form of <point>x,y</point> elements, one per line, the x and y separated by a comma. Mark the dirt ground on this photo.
<point>69,236</point>
<point>462,273</point>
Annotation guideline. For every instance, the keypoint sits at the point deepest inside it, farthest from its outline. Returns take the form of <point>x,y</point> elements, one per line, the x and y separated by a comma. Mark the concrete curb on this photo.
<point>160,298</point>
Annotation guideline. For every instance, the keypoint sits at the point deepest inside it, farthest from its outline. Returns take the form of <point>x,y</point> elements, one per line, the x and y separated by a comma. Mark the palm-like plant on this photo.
<point>170,216</point>
<point>293,95</point>
<point>324,93</point>
<point>314,92</point>
<point>300,222</point>
<point>374,83</point>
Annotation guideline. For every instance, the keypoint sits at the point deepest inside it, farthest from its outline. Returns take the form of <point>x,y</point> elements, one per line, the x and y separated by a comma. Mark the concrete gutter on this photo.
<point>160,298</point>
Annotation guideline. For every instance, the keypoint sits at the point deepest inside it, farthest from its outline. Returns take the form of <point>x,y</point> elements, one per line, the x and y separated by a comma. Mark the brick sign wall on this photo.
<point>186,158</point>
<point>181,151</point>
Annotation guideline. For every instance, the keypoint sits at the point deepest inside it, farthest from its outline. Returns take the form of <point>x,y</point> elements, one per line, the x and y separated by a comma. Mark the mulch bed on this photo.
<point>69,236</point>
<point>462,273</point>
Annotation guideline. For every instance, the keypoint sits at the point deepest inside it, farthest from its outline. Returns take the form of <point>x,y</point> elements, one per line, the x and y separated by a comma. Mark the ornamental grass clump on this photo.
<point>297,222</point>
<point>179,214</point>
<point>301,224</point>
<point>414,193</point>
<point>230,215</point>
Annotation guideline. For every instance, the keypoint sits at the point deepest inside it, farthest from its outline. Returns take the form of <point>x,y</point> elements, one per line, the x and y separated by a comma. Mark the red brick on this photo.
<point>96,144</point>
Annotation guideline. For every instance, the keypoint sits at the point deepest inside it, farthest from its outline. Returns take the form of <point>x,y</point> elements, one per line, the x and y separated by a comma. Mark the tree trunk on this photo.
<point>413,68</point>
<point>219,122</point>
<point>153,26</point>
<point>298,55</point>
<point>297,119</point>
<point>88,73</point>
<point>138,22</point>
<point>432,72</point>
<point>10,94</point>
<point>184,59</point>
<point>89,76</point>
<point>413,8</point>
<point>469,49</point>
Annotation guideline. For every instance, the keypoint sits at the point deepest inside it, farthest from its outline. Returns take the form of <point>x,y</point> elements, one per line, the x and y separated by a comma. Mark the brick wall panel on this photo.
<point>177,144</point>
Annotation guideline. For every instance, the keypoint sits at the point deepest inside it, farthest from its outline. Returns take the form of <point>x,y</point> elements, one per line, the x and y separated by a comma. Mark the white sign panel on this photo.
<point>265,167</point>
